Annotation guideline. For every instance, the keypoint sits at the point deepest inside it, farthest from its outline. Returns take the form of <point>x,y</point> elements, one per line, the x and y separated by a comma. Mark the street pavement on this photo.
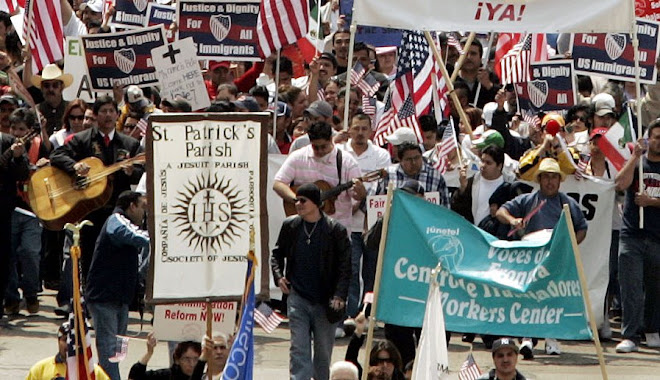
<point>24,340</point>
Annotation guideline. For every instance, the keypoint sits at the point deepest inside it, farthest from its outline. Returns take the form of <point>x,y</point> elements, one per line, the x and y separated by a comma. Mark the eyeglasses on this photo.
<point>378,361</point>
<point>74,117</point>
<point>301,200</point>
<point>580,118</point>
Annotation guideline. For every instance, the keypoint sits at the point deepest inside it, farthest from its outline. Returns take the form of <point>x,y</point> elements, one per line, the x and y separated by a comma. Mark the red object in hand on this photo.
<point>552,127</point>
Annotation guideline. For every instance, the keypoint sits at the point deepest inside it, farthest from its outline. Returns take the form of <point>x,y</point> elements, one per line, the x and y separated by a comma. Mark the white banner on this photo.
<point>205,193</point>
<point>178,72</point>
<point>543,16</point>
<point>187,321</point>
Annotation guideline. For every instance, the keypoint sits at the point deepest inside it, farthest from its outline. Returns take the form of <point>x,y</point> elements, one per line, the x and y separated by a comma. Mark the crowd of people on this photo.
<point>325,258</point>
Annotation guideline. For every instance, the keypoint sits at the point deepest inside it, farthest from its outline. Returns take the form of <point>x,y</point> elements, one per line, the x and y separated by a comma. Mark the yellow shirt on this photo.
<point>48,369</point>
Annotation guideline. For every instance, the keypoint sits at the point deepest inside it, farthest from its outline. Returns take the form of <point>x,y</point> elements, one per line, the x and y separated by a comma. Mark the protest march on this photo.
<point>397,176</point>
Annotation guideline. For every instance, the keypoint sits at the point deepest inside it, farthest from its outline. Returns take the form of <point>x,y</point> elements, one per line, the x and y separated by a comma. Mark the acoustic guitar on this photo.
<point>329,193</point>
<point>57,199</point>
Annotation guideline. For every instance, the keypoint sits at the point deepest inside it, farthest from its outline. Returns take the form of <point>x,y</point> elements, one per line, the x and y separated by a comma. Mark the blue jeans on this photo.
<point>354,299</point>
<point>639,278</point>
<point>26,252</point>
<point>110,320</point>
<point>307,321</point>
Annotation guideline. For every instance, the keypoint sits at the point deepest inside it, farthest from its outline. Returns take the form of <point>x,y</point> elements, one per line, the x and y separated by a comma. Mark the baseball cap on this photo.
<point>179,104</point>
<point>215,64</point>
<point>413,187</point>
<point>490,137</point>
<point>385,49</point>
<point>319,108</point>
<point>8,98</point>
<point>135,96</point>
<point>283,109</point>
<point>94,5</point>
<point>247,103</point>
<point>504,343</point>
<point>487,115</point>
<point>603,104</point>
<point>600,131</point>
<point>402,135</point>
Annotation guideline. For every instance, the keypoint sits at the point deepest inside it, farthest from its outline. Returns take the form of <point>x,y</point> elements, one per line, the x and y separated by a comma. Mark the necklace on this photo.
<point>309,234</point>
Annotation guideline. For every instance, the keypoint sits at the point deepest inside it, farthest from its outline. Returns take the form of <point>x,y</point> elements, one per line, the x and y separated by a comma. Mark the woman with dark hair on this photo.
<point>384,360</point>
<point>189,362</point>
<point>72,122</point>
<point>296,99</point>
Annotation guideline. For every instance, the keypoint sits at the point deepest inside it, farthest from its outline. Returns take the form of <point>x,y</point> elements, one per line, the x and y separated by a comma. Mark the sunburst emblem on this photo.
<point>210,212</point>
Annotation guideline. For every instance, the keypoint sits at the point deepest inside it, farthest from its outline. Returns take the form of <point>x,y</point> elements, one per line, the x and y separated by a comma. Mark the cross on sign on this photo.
<point>171,52</point>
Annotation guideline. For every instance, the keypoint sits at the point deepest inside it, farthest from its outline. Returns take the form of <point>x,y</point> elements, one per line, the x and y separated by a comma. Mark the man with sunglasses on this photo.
<point>311,263</point>
<point>52,83</point>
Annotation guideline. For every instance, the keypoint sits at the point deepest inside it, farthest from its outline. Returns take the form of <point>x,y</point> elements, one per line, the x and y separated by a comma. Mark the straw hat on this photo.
<point>52,72</point>
<point>549,165</point>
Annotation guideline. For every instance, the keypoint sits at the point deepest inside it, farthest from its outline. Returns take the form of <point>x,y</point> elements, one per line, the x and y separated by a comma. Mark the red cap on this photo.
<point>215,64</point>
<point>600,131</point>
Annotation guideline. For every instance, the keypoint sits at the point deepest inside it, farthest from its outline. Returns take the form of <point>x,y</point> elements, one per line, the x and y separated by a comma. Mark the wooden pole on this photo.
<point>379,271</point>
<point>638,104</point>
<point>277,84</point>
<point>484,63</point>
<point>209,333</point>
<point>585,292</point>
<point>79,320</point>
<point>349,73</point>
<point>449,82</point>
<point>459,63</point>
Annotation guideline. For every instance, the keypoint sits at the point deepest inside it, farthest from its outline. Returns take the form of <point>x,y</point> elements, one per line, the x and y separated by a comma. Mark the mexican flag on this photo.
<point>616,144</point>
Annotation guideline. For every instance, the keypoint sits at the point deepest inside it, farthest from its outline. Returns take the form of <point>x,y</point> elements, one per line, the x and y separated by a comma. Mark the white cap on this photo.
<point>488,111</point>
<point>603,104</point>
<point>402,135</point>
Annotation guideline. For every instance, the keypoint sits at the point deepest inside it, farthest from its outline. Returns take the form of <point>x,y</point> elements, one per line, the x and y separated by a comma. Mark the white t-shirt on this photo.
<point>485,189</point>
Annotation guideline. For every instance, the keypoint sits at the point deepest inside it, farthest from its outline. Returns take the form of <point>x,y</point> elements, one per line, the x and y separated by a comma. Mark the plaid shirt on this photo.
<point>430,178</point>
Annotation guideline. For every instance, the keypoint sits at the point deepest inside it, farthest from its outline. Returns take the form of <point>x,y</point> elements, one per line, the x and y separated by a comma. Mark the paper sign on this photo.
<point>187,321</point>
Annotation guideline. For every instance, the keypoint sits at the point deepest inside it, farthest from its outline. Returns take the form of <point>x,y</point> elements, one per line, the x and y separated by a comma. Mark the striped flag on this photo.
<point>280,23</point>
<point>357,72</point>
<point>76,368</point>
<point>363,80</point>
<point>514,53</point>
<point>43,19</point>
<point>267,318</point>
<point>369,105</point>
<point>581,170</point>
<point>443,148</point>
<point>142,126</point>
<point>411,92</point>
<point>8,6</point>
<point>531,118</point>
<point>453,41</point>
<point>469,369</point>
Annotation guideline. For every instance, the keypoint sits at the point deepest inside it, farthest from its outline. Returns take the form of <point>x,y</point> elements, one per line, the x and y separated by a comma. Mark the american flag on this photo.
<point>43,20</point>
<point>532,118</point>
<point>280,23</point>
<point>9,6</point>
<point>75,365</point>
<point>357,72</point>
<point>514,53</point>
<point>581,169</point>
<point>469,369</point>
<point>267,318</point>
<point>142,126</point>
<point>369,105</point>
<point>363,80</point>
<point>411,93</point>
<point>443,148</point>
<point>453,41</point>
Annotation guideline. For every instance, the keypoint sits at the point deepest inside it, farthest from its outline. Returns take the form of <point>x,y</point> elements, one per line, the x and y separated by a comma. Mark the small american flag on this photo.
<point>514,52</point>
<point>443,148</point>
<point>531,118</point>
<point>469,369</point>
<point>267,318</point>
<point>453,41</point>
<point>142,126</point>
<point>363,80</point>
<point>76,368</point>
<point>581,170</point>
<point>43,20</point>
<point>357,72</point>
<point>369,105</point>
<point>280,23</point>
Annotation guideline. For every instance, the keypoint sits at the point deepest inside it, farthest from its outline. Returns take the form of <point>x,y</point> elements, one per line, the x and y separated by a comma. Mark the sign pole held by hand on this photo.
<point>209,333</point>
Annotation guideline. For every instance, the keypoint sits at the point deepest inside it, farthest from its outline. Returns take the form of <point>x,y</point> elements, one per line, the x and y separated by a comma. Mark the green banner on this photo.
<point>488,286</point>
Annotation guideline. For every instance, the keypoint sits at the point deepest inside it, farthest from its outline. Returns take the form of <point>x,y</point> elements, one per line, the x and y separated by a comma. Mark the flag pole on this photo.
<point>585,292</point>
<point>275,96</point>
<point>484,62</point>
<point>319,29</point>
<point>79,320</point>
<point>379,271</point>
<point>349,74</point>
<point>449,81</point>
<point>638,104</point>
<point>459,63</point>
<point>209,334</point>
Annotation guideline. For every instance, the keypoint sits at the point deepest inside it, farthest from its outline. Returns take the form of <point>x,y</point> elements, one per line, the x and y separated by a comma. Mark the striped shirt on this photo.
<point>430,178</point>
<point>303,167</point>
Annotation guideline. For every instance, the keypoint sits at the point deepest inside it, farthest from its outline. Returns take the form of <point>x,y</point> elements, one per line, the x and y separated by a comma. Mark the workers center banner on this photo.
<point>205,193</point>
<point>488,286</point>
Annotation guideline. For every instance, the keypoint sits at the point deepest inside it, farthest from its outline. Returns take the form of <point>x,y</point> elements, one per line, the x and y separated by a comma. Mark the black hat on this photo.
<point>504,343</point>
<point>413,187</point>
<point>311,192</point>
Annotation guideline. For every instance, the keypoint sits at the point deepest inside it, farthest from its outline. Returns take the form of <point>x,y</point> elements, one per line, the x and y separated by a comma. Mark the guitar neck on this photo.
<point>336,190</point>
<point>119,165</point>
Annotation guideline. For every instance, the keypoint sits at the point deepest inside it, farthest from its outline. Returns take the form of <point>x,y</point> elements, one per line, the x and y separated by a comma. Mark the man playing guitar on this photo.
<point>321,160</point>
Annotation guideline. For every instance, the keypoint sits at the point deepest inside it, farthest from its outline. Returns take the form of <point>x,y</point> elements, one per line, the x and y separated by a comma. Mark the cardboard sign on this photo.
<point>177,69</point>
<point>611,55</point>
<point>158,14</point>
<point>130,14</point>
<point>222,30</point>
<point>122,57</point>
<point>187,321</point>
<point>74,60</point>
<point>376,205</point>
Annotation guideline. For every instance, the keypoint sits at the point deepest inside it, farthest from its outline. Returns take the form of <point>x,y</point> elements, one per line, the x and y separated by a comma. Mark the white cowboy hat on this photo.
<point>52,72</point>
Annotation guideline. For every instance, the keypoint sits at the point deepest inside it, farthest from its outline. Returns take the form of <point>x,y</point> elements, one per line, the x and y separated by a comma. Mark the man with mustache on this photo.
<point>52,82</point>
